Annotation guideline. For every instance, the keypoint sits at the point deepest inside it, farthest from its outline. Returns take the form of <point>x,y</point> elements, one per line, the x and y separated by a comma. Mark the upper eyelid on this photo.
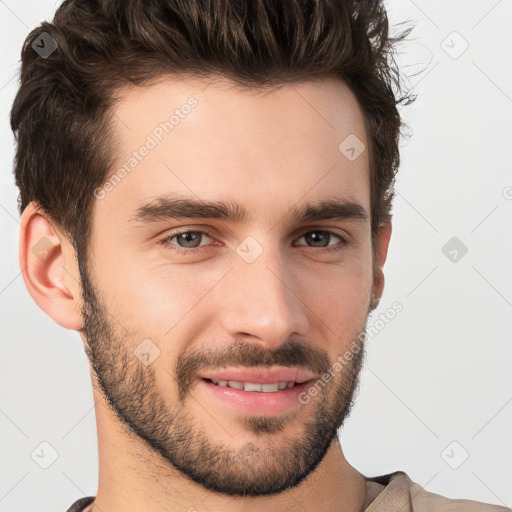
<point>210,230</point>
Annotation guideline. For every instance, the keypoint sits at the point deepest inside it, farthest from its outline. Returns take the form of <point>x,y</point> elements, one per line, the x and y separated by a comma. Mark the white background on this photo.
<point>438,373</point>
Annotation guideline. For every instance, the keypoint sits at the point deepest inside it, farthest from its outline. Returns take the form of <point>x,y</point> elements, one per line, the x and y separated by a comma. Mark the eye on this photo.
<point>187,242</point>
<point>323,236</point>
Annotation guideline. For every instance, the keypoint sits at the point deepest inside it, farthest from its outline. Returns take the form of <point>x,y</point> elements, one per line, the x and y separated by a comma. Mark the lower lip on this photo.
<point>255,402</point>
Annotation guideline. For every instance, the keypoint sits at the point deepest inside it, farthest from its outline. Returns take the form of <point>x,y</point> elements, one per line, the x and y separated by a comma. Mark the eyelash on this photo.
<point>164,242</point>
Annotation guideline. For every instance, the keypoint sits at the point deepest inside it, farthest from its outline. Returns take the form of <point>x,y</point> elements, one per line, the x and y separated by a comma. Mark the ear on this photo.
<point>49,268</point>
<point>380,255</point>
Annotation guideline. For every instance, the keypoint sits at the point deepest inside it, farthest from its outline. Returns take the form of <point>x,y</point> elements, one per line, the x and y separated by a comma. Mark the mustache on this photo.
<point>290,353</point>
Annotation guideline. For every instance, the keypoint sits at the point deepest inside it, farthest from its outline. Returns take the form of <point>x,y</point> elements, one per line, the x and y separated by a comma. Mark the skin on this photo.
<point>269,151</point>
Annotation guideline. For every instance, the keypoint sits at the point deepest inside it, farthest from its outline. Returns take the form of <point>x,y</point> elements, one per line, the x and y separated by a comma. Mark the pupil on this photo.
<point>190,234</point>
<point>317,236</point>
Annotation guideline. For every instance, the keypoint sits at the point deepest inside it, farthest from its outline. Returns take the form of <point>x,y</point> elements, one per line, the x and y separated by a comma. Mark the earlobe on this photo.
<point>48,267</point>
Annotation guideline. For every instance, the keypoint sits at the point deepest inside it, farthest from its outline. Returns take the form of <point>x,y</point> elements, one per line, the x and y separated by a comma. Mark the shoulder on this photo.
<point>423,500</point>
<point>401,493</point>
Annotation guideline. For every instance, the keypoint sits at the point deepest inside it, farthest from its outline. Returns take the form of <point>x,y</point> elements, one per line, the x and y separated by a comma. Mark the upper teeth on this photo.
<point>251,386</point>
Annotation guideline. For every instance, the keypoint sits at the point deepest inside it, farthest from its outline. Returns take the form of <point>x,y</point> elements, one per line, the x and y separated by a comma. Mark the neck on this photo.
<point>132,478</point>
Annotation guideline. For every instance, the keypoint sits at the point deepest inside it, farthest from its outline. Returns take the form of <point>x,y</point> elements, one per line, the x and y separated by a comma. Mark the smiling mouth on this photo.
<point>259,392</point>
<point>270,387</point>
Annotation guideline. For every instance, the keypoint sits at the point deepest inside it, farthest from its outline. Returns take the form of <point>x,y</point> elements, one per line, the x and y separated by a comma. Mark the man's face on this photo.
<point>276,295</point>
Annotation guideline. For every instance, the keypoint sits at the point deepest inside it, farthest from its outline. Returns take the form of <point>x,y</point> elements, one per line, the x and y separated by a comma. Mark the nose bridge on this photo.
<point>261,299</point>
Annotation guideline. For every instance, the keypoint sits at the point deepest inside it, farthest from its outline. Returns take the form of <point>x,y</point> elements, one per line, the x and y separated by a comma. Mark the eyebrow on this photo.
<point>169,207</point>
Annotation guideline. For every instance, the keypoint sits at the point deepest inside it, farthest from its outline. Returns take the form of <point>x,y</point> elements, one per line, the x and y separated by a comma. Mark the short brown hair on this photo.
<point>60,115</point>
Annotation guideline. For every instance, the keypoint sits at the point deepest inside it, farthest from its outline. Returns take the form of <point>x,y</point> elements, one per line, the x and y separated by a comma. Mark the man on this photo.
<point>205,191</point>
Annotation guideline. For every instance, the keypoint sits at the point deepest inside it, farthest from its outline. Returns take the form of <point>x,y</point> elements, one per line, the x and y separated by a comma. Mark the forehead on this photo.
<point>209,139</point>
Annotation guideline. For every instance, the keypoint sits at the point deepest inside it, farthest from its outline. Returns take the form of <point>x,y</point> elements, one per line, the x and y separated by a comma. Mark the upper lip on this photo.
<point>258,375</point>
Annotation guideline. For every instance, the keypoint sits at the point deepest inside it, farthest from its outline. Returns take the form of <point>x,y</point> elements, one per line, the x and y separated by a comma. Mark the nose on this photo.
<point>262,303</point>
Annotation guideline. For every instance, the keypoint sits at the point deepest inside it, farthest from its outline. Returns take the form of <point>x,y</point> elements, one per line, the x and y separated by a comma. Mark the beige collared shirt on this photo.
<point>396,492</point>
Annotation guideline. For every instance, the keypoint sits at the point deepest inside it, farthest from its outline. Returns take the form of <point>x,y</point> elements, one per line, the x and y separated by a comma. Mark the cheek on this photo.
<point>161,302</point>
<point>133,300</point>
<point>339,298</point>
